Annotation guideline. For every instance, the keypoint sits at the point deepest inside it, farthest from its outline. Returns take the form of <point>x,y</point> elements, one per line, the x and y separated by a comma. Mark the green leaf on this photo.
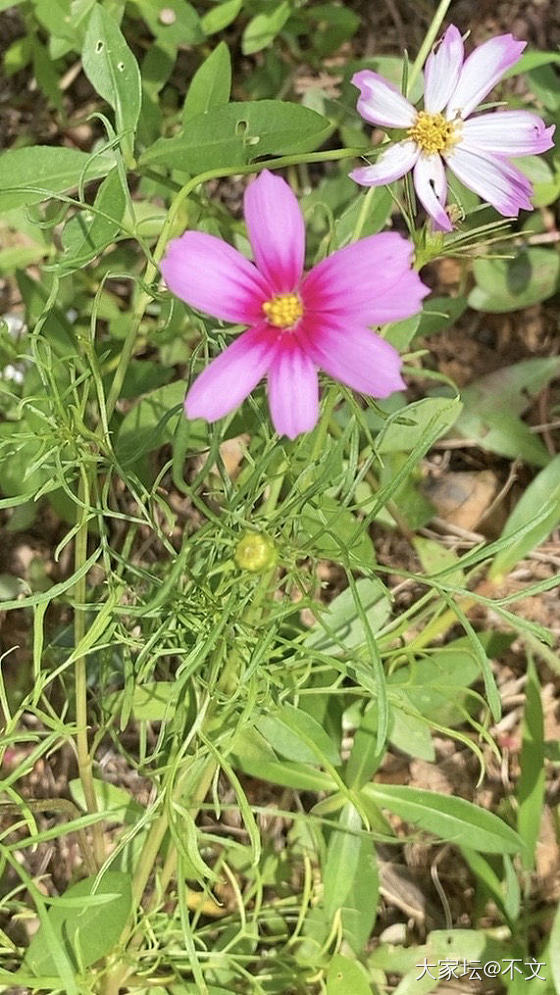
<point>531,783</point>
<point>440,312</point>
<point>496,429</point>
<point>239,133</point>
<point>149,423</point>
<point>542,491</point>
<point>343,854</point>
<point>532,60</point>
<point>254,756</point>
<point>340,627</point>
<point>87,935</point>
<point>330,531</point>
<point>362,901</point>
<point>113,71</point>
<point>30,175</point>
<point>410,734</point>
<point>263,28</point>
<point>404,429</point>
<point>345,976</point>
<point>149,702</point>
<point>436,558</point>
<point>298,736</point>
<point>88,232</point>
<point>211,84</point>
<point>46,75</point>
<point>555,951</point>
<point>450,818</point>
<point>116,803</point>
<point>221,16</point>
<point>510,284</point>
<point>180,26</point>
<point>543,81</point>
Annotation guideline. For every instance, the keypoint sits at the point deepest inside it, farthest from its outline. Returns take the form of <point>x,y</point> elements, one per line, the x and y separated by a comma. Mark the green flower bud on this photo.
<point>255,552</point>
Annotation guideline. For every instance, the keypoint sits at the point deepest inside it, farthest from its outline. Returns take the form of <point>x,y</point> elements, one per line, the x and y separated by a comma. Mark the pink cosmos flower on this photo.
<point>476,149</point>
<point>297,322</point>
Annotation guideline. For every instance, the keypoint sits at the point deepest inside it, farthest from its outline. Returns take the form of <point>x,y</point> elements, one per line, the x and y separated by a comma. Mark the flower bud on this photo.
<point>255,552</point>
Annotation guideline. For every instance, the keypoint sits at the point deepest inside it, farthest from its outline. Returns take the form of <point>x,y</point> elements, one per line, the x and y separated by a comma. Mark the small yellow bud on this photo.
<point>255,552</point>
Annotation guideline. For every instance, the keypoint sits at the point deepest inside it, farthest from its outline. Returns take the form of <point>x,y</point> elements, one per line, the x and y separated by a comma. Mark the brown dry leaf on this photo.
<point>547,857</point>
<point>462,498</point>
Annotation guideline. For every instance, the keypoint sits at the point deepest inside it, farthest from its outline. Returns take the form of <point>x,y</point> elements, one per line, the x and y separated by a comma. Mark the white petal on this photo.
<point>508,133</point>
<point>381,103</point>
<point>493,178</point>
<point>390,166</point>
<point>442,69</point>
<point>481,71</point>
<point>431,186</point>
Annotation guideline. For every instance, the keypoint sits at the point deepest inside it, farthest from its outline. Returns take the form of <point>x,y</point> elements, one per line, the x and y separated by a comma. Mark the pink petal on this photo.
<point>381,103</point>
<point>493,178</point>
<point>276,230</point>
<point>391,165</point>
<point>228,380</point>
<point>442,69</point>
<point>354,356</point>
<point>431,186</point>
<point>353,280</point>
<point>481,71</point>
<point>213,277</point>
<point>293,389</point>
<point>508,133</point>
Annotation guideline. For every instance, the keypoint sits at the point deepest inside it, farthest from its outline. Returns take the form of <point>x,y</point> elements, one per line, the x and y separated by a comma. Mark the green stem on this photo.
<point>427,43</point>
<point>85,762</point>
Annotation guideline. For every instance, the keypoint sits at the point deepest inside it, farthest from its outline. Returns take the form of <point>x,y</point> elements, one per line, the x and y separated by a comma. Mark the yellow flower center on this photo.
<point>284,310</point>
<point>432,132</point>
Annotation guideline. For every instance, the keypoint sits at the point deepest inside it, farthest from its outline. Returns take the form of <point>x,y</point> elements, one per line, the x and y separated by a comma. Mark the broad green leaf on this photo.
<point>239,133</point>
<point>453,819</point>
<point>179,26</point>
<point>116,803</point>
<point>542,491</point>
<point>511,284</point>
<point>543,81</point>
<point>46,75</point>
<point>210,86</point>
<point>263,28</point>
<point>343,854</point>
<point>30,175</point>
<point>91,933</point>
<point>149,702</point>
<point>362,901</point>
<point>149,424</point>
<point>485,418</point>
<point>436,558</point>
<point>340,627</point>
<point>555,951</point>
<point>518,383</point>
<point>504,433</point>
<point>113,72</point>
<point>405,428</point>
<point>345,976</point>
<point>329,530</point>
<point>531,784</point>
<point>254,756</point>
<point>297,736</point>
<point>88,232</point>
<point>546,183</point>
<point>410,734</point>
<point>530,61</point>
<point>440,312</point>
<point>219,17</point>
